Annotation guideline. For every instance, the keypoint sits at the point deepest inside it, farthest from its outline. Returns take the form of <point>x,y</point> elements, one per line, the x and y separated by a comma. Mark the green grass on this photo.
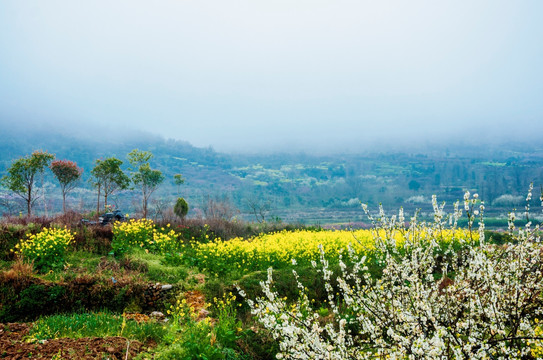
<point>155,268</point>
<point>187,338</point>
<point>158,271</point>
<point>4,265</point>
<point>99,324</point>
<point>84,259</point>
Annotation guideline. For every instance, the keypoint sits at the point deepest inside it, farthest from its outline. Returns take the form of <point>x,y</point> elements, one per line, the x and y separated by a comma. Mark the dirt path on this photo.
<point>13,346</point>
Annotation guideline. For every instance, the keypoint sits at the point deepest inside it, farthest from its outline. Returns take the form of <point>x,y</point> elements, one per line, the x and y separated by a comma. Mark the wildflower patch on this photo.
<point>45,249</point>
<point>143,234</point>
<point>280,249</point>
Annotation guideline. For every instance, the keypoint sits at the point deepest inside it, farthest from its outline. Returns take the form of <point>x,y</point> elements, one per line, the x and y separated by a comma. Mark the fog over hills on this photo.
<point>303,105</point>
<point>314,76</point>
<point>491,140</point>
<point>292,185</point>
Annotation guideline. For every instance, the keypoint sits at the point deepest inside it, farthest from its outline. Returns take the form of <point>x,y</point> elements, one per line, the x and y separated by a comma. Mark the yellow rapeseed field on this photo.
<point>142,233</point>
<point>280,248</point>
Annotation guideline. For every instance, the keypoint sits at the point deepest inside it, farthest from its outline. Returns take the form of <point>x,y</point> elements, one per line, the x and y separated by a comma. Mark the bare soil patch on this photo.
<point>14,345</point>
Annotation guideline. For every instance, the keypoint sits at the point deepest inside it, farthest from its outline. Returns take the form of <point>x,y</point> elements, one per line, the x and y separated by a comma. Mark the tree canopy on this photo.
<point>143,176</point>
<point>109,177</point>
<point>67,173</point>
<point>22,173</point>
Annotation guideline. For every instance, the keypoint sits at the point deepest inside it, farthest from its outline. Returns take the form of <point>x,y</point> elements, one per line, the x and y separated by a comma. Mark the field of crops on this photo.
<point>388,292</point>
<point>280,249</point>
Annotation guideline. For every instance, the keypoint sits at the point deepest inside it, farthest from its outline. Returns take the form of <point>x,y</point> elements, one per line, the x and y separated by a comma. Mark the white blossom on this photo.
<point>482,307</point>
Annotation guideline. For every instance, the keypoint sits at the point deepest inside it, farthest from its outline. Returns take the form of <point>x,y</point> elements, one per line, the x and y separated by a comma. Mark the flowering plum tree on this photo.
<point>22,176</point>
<point>67,173</point>
<point>482,301</point>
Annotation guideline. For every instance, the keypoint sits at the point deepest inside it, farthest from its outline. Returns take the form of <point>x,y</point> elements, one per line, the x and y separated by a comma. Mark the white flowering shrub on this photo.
<point>482,301</point>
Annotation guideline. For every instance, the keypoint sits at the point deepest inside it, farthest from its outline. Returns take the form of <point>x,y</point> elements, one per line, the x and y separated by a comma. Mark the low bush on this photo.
<point>134,233</point>
<point>10,235</point>
<point>32,301</point>
<point>25,297</point>
<point>143,234</point>
<point>191,338</point>
<point>45,249</point>
<point>94,238</point>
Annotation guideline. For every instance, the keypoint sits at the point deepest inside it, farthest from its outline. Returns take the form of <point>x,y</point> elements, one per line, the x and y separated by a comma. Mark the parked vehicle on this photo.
<point>110,217</point>
<point>107,218</point>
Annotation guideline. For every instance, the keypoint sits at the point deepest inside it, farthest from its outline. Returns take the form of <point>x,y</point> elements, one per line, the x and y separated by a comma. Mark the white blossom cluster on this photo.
<point>482,301</point>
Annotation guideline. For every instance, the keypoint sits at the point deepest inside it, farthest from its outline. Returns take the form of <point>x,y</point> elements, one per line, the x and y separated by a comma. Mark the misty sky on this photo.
<point>280,74</point>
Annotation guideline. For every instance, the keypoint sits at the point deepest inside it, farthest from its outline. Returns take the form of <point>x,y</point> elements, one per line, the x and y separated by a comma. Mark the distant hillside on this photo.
<point>291,186</point>
<point>205,170</point>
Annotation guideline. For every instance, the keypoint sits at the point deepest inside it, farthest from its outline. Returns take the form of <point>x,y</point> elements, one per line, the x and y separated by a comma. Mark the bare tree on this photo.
<point>258,207</point>
<point>218,208</point>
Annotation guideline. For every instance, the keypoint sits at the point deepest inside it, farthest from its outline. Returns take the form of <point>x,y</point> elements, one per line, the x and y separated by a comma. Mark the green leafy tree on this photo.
<point>108,176</point>
<point>67,173</point>
<point>181,208</point>
<point>143,176</point>
<point>22,173</point>
<point>178,180</point>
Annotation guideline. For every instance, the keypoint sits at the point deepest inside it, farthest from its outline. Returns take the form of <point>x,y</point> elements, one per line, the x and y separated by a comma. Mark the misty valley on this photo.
<point>149,248</point>
<point>271,180</point>
<point>305,188</point>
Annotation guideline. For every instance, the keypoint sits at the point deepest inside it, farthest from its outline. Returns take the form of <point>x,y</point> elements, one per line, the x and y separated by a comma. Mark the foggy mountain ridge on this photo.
<point>297,186</point>
<point>111,136</point>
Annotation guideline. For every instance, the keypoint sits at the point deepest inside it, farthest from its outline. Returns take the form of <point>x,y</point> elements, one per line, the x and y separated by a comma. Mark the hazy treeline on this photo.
<point>261,186</point>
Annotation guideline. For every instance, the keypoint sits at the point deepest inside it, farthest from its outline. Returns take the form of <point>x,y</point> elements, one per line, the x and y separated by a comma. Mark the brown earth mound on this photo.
<point>14,346</point>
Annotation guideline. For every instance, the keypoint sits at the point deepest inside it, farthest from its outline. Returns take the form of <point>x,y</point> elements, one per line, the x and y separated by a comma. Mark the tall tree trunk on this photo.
<point>29,201</point>
<point>64,202</point>
<point>98,202</point>
<point>144,206</point>
<point>43,194</point>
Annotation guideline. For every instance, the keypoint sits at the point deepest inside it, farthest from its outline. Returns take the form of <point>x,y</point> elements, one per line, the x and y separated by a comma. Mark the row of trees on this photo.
<point>106,176</point>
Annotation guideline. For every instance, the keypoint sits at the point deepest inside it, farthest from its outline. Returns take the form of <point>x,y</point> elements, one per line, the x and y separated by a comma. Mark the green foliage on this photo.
<point>178,180</point>
<point>109,177</point>
<point>499,238</point>
<point>67,173</point>
<point>130,234</point>
<point>181,208</point>
<point>148,178</point>
<point>31,302</point>
<point>45,249</point>
<point>99,324</point>
<point>22,175</point>
<point>25,297</point>
<point>137,158</point>
<point>158,270</point>
<point>190,338</point>
<point>143,176</point>
<point>9,237</point>
<point>228,328</point>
